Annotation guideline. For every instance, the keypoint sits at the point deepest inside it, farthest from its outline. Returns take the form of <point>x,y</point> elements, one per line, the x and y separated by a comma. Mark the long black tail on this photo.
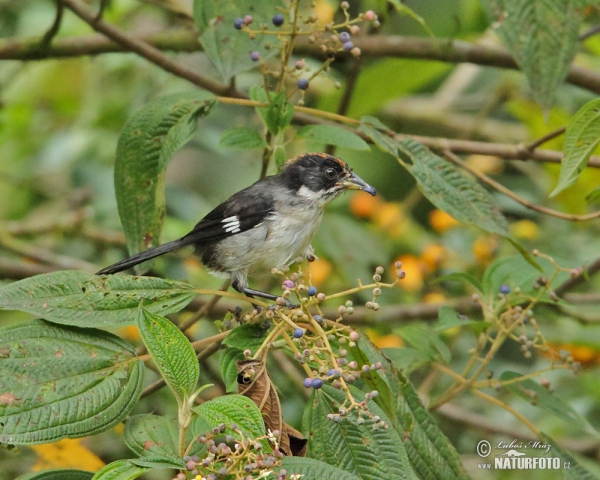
<point>143,256</point>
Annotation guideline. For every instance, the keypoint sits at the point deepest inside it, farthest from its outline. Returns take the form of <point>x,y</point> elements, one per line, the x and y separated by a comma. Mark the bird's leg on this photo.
<point>250,292</point>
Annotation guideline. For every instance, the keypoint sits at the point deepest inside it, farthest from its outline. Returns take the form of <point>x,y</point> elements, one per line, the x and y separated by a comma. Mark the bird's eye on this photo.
<point>330,173</point>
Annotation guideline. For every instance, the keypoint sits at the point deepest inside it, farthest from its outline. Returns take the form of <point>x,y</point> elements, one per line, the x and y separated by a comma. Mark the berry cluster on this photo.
<point>332,39</point>
<point>245,458</point>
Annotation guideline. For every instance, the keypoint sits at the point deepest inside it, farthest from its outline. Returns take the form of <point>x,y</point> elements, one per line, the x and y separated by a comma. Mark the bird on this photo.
<point>267,225</point>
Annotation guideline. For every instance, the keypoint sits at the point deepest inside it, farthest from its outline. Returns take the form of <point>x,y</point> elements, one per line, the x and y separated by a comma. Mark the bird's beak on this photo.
<point>354,182</point>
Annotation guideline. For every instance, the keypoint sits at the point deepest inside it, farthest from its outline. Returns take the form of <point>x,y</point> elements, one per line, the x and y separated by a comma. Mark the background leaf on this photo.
<point>332,135</point>
<point>58,474</point>
<point>59,381</point>
<point>241,138</point>
<point>229,49</point>
<point>172,353</point>
<point>147,143</point>
<point>86,300</point>
<point>581,138</point>
<point>120,470</point>
<point>312,469</point>
<point>543,38</point>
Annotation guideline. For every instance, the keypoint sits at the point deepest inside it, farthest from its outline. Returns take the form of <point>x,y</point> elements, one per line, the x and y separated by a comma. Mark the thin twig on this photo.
<point>573,282</point>
<point>502,189</point>
<point>203,310</point>
<point>549,136</point>
<point>53,30</point>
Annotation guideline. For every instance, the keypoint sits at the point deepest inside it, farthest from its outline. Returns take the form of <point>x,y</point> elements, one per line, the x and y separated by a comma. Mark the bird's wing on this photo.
<point>243,211</point>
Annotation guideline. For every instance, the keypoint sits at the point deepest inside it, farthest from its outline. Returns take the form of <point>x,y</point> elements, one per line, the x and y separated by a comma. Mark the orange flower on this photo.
<point>441,221</point>
<point>414,269</point>
<point>364,205</point>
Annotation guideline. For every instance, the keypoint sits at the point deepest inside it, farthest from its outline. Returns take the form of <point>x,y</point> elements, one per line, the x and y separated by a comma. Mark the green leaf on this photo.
<point>229,368</point>
<point>149,435</point>
<point>332,135</point>
<point>227,48</point>
<point>241,138</point>
<point>430,452</point>
<point>534,393</point>
<point>172,353</point>
<point>279,113</point>
<point>60,382</point>
<point>379,133</point>
<point>279,156</point>
<point>58,474</point>
<point>461,277</point>
<point>358,449</point>
<point>159,462</point>
<point>543,38</point>
<point>517,273</point>
<point>581,138</point>
<point>449,318</point>
<point>406,359</point>
<point>593,196</point>
<point>147,143</point>
<point>229,409</point>
<point>311,469</point>
<point>575,471</point>
<point>450,190</point>
<point>248,336</point>
<point>425,339</point>
<point>78,298</point>
<point>120,470</point>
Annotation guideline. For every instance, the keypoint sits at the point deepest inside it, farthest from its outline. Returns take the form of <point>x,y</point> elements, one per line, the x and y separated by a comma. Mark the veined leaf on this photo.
<point>311,469</point>
<point>120,470</point>
<point>147,143</point>
<point>59,474</point>
<point>172,353</point>
<point>78,298</point>
<point>332,135</point>
<point>149,435</point>
<point>227,48</point>
<point>241,138</point>
<point>576,471</point>
<point>278,114</point>
<point>60,382</point>
<point>450,190</point>
<point>229,409</point>
<point>357,448</point>
<point>248,336</point>
<point>581,138</point>
<point>543,37</point>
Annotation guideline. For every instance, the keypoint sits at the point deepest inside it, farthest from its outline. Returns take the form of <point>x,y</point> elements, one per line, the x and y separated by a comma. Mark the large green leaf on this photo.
<point>572,469</point>
<point>581,138</point>
<point>311,469</point>
<point>150,435</point>
<point>542,35</point>
<point>230,409</point>
<point>430,452</point>
<point>78,298</point>
<point>58,381</point>
<point>357,448</point>
<point>229,49</point>
<point>450,190</point>
<point>332,135</point>
<point>172,353</point>
<point>147,143</point>
<point>58,474</point>
<point>278,114</point>
<point>120,470</point>
<point>241,138</point>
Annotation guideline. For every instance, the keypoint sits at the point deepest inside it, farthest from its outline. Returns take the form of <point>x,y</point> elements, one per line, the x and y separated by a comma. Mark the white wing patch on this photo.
<point>231,224</point>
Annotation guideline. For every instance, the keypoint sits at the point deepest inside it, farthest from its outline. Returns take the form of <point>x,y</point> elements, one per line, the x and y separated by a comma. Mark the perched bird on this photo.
<point>267,225</point>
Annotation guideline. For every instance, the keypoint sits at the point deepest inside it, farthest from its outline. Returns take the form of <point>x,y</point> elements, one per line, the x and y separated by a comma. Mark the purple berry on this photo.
<point>238,23</point>
<point>248,19</point>
<point>348,46</point>
<point>298,333</point>
<point>278,20</point>
<point>312,291</point>
<point>255,56</point>
<point>504,289</point>
<point>344,37</point>
<point>316,383</point>
<point>288,284</point>
<point>303,84</point>
<point>308,382</point>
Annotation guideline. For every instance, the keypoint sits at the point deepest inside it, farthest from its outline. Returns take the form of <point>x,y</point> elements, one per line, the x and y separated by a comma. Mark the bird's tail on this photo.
<point>143,256</point>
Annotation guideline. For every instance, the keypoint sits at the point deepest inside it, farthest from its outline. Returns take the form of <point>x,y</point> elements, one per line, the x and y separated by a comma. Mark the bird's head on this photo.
<point>321,176</point>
